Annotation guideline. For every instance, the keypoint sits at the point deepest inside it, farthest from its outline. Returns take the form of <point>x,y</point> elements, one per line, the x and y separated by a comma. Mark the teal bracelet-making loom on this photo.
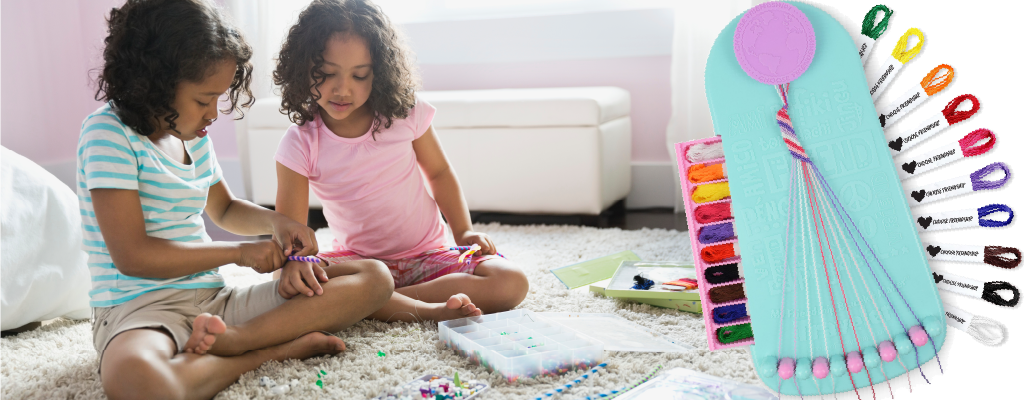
<point>839,291</point>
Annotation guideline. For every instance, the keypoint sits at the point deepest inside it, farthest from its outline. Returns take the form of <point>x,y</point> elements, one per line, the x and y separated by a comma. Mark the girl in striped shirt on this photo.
<point>164,323</point>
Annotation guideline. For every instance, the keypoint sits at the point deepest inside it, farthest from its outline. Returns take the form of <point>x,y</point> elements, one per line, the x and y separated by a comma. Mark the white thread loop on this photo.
<point>987,331</point>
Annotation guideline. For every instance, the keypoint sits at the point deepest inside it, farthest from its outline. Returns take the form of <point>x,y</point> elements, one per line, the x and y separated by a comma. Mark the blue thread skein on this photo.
<point>994,208</point>
<point>716,233</point>
<point>725,314</point>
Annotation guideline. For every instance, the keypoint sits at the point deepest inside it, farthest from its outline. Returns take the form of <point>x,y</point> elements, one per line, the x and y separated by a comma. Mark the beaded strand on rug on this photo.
<point>611,394</point>
<point>592,373</point>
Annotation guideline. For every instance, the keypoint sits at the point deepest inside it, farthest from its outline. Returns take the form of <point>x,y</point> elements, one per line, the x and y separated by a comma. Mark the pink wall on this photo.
<point>646,79</point>
<point>47,50</point>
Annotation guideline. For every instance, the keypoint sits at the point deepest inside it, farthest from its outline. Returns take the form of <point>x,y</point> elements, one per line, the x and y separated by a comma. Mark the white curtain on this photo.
<point>697,26</point>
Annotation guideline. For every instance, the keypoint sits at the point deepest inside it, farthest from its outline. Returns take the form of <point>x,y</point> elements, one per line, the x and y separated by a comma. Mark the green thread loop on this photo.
<point>734,333</point>
<point>868,27</point>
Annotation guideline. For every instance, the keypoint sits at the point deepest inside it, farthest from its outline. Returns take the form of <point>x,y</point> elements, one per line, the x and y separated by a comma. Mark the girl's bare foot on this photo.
<point>457,306</point>
<point>309,345</point>
<point>205,329</point>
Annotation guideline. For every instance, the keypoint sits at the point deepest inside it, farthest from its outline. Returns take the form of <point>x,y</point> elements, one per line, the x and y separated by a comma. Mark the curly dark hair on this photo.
<point>299,65</point>
<point>153,45</point>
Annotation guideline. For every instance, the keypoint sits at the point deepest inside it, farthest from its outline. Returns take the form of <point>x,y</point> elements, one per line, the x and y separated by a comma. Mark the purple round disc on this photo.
<point>774,43</point>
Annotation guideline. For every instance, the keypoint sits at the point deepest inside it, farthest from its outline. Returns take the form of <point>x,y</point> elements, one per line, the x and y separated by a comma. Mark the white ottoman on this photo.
<point>534,151</point>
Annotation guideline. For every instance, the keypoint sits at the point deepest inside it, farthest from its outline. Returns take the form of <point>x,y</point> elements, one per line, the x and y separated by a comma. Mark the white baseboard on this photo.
<point>230,167</point>
<point>652,185</point>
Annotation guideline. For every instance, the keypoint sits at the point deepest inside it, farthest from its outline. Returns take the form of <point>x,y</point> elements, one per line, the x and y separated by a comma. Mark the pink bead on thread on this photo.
<point>786,368</point>
<point>820,367</point>
<point>854,362</point>
<point>887,350</point>
<point>918,335</point>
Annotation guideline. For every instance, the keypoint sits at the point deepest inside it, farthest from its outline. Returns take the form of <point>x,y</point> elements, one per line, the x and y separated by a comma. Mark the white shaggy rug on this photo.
<point>58,360</point>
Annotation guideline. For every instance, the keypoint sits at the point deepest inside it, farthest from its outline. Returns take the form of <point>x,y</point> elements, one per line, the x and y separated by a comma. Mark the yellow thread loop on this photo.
<point>901,53</point>
<point>711,192</point>
<point>934,82</point>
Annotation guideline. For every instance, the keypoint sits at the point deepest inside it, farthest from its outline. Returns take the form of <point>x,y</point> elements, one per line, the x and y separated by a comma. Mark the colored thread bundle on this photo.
<point>987,331</point>
<point>709,213</point>
<point>978,181</point>
<point>900,52</point>
<point>641,283</point>
<point>705,152</point>
<point>729,313</point>
<point>718,252</point>
<point>716,233</point>
<point>707,173</point>
<point>994,255</point>
<point>686,283</point>
<point>953,116</point>
<point>723,294</point>
<point>969,143</point>
<point>988,289</point>
<point>734,333</point>
<point>868,27</point>
<point>934,83</point>
<point>722,273</point>
<point>991,296</point>
<point>711,192</point>
<point>991,209</point>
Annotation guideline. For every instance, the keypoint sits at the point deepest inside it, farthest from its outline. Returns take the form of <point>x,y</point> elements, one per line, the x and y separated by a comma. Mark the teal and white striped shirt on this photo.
<point>173,195</point>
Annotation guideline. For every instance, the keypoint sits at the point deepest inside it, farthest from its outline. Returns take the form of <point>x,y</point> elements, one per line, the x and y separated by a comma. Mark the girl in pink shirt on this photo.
<point>362,141</point>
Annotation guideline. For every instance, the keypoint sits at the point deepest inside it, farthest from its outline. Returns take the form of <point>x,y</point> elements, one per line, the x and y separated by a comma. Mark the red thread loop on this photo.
<point>718,252</point>
<point>713,212</point>
<point>973,138</point>
<point>953,116</point>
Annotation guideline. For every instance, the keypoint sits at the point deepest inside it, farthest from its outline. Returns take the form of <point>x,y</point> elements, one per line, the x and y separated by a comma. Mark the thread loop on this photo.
<point>900,53</point>
<point>994,255</point>
<point>718,252</point>
<point>987,331</point>
<point>704,152</point>
<point>729,313</point>
<point>726,293</point>
<point>933,82</point>
<point>709,213</point>
<point>978,181</point>
<point>722,273</point>
<point>868,27</point>
<point>967,144</point>
<point>991,209</point>
<point>716,233</point>
<point>953,116</point>
<point>706,173</point>
<point>734,333</point>
<point>991,296</point>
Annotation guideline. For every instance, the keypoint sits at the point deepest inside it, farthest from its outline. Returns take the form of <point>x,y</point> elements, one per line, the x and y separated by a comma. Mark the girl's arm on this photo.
<point>292,194</point>
<point>447,191</point>
<point>135,253</point>
<point>241,217</point>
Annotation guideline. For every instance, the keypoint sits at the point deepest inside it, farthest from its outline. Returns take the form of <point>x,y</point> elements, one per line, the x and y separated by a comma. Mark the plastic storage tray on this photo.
<point>517,344</point>
<point>707,306</point>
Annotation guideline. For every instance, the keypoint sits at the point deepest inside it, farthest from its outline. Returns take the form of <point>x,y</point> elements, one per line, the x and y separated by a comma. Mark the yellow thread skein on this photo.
<point>711,192</point>
<point>901,53</point>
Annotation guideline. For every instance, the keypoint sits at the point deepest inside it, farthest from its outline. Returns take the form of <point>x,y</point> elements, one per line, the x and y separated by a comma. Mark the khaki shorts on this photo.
<point>174,309</point>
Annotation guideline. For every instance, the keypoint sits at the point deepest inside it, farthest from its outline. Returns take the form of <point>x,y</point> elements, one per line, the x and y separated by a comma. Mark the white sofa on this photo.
<point>532,151</point>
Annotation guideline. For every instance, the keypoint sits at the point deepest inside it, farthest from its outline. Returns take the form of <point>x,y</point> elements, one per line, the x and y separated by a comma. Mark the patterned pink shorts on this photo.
<point>425,267</point>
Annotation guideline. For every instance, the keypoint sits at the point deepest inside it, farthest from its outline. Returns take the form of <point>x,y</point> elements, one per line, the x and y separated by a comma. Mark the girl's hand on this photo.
<point>263,256</point>
<point>300,277</point>
<point>295,238</point>
<point>470,238</point>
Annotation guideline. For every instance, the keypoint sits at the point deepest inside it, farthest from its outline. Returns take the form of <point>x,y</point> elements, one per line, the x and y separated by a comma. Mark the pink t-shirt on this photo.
<point>374,196</point>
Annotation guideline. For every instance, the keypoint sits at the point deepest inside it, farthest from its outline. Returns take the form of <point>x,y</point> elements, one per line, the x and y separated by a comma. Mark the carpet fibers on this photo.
<point>58,360</point>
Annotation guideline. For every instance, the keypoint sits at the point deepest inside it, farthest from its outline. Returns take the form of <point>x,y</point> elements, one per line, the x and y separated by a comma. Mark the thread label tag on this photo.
<point>947,220</point>
<point>954,252</point>
<point>903,105</point>
<point>864,46</point>
<point>940,190</point>
<point>882,79</point>
<point>920,133</point>
<point>958,318</point>
<point>960,285</point>
<point>917,165</point>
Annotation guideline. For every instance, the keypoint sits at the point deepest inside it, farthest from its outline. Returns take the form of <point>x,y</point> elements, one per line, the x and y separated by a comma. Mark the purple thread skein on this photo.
<point>977,177</point>
<point>716,233</point>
